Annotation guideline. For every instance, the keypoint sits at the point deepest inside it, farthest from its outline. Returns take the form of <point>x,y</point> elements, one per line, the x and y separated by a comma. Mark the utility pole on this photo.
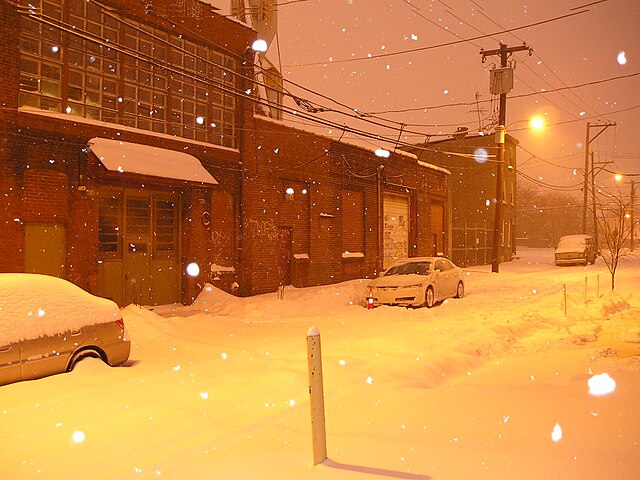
<point>633,207</point>
<point>593,205</point>
<point>602,128</point>
<point>504,53</point>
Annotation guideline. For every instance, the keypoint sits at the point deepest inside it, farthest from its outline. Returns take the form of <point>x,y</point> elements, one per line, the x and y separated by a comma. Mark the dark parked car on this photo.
<point>576,250</point>
<point>48,324</point>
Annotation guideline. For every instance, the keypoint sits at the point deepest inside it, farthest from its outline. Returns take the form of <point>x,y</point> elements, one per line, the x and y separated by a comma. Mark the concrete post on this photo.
<point>318,431</point>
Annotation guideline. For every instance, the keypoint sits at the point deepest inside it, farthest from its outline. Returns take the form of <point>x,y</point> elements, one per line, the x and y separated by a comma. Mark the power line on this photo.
<point>446,44</point>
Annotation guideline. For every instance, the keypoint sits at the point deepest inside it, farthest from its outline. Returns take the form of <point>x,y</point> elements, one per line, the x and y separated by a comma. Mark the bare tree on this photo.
<point>543,216</point>
<point>616,230</point>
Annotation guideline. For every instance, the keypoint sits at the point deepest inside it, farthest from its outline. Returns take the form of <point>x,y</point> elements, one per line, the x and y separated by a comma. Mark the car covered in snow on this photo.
<point>48,325</point>
<point>417,281</point>
<point>576,249</point>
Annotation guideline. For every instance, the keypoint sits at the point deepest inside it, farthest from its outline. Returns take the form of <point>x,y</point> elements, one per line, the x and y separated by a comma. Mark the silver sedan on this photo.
<point>418,281</point>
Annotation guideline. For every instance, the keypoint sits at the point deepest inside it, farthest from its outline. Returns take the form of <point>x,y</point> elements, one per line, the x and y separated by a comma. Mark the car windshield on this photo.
<point>418,268</point>
<point>571,242</point>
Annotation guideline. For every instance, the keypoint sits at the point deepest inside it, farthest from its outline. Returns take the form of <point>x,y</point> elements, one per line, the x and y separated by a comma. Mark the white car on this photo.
<point>418,281</point>
<point>576,250</point>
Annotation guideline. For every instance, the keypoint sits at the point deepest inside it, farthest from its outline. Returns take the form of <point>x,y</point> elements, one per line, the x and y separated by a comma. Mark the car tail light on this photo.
<point>120,323</point>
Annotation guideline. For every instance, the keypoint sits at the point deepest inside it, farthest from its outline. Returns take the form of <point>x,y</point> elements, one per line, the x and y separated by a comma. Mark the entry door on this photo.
<point>44,249</point>
<point>284,257</point>
<point>437,228</point>
<point>137,249</point>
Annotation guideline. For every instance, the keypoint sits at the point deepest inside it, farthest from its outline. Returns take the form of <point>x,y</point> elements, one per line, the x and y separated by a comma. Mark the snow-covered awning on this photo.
<point>120,156</point>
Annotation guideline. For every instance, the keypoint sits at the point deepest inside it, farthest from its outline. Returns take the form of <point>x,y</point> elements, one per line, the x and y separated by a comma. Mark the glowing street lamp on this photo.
<point>501,131</point>
<point>536,123</point>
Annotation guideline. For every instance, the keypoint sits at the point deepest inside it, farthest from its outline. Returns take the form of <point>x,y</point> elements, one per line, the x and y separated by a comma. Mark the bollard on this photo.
<point>370,299</point>
<point>564,294</point>
<point>598,286</point>
<point>585,290</point>
<point>318,431</point>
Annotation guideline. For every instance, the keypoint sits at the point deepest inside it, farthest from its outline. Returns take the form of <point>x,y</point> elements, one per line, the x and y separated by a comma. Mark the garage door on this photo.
<point>396,229</point>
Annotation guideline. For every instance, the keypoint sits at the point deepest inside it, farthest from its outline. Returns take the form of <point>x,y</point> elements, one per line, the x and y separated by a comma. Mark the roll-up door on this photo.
<point>396,229</point>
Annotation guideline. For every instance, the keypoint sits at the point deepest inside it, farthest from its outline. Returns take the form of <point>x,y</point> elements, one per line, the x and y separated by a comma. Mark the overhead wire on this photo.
<point>441,45</point>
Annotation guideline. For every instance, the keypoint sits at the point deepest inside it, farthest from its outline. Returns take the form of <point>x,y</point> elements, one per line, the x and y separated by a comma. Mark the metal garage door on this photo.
<point>396,229</point>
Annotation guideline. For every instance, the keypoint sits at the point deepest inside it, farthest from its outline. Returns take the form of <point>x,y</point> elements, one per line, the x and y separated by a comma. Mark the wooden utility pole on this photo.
<point>504,53</point>
<point>633,207</point>
<point>602,127</point>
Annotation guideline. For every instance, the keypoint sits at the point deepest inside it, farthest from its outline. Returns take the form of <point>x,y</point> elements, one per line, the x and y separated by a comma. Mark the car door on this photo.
<point>445,279</point>
<point>9,364</point>
<point>49,354</point>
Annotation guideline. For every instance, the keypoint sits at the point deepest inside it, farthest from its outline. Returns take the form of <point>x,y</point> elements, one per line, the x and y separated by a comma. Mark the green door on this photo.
<point>137,249</point>
<point>44,249</point>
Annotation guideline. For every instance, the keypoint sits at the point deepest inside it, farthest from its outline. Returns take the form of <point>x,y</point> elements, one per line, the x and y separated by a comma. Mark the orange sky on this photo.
<point>323,44</point>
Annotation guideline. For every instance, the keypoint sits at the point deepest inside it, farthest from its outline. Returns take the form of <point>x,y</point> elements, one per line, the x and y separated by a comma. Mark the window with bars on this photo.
<point>165,220</point>
<point>125,72</point>
<point>138,219</point>
<point>109,233</point>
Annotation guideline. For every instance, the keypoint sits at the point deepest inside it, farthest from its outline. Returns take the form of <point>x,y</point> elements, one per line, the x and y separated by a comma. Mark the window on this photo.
<point>161,82</point>
<point>353,221</point>
<point>138,216</point>
<point>109,232</point>
<point>165,228</point>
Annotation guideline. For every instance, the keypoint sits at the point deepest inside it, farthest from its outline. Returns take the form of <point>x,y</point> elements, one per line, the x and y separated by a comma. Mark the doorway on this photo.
<point>284,255</point>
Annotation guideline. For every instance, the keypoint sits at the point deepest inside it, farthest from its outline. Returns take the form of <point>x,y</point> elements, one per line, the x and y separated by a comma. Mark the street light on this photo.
<point>535,123</point>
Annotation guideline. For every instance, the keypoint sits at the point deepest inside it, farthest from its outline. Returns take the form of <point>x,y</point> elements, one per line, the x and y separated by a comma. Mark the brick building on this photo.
<point>130,150</point>
<point>471,159</point>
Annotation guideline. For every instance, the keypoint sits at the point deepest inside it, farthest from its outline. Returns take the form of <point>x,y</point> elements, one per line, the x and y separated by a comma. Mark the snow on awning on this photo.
<point>120,156</point>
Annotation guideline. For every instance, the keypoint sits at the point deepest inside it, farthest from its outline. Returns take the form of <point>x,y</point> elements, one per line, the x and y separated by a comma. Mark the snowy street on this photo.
<point>493,385</point>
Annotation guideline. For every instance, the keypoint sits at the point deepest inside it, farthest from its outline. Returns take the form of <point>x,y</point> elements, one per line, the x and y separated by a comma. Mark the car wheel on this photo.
<point>429,297</point>
<point>81,355</point>
<point>460,290</point>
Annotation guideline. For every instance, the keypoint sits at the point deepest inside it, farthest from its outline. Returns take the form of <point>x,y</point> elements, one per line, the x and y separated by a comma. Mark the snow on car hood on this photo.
<point>570,249</point>
<point>399,280</point>
<point>33,306</point>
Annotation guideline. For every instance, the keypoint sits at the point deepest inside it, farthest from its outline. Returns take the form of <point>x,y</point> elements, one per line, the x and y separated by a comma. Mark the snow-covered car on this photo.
<point>417,281</point>
<point>576,250</point>
<point>47,325</point>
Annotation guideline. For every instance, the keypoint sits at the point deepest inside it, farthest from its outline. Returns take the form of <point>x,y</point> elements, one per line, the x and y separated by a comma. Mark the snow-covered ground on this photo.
<point>499,384</point>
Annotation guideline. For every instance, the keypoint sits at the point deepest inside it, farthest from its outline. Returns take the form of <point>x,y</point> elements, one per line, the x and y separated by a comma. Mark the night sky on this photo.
<point>415,65</point>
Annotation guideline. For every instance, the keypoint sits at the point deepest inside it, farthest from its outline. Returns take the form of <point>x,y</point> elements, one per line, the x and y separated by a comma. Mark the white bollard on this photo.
<point>318,432</point>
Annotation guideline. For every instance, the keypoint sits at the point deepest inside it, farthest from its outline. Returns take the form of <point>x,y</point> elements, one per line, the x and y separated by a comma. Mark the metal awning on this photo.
<point>125,157</point>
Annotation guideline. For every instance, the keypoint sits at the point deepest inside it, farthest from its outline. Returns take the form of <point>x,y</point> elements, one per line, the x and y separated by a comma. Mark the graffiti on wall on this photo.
<point>396,239</point>
<point>265,229</point>
<point>221,245</point>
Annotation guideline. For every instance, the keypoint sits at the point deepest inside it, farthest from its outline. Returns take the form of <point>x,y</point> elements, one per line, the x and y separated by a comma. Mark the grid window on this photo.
<point>109,226</point>
<point>125,72</point>
<point>165,228</point>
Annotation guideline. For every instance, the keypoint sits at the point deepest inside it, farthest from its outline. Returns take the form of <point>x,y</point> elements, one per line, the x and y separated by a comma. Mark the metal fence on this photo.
<point>471,245</point>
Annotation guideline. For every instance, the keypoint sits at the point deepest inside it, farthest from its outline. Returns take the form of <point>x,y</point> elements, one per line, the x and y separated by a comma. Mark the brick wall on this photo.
<point>329,172</point>
<point>11,233</point>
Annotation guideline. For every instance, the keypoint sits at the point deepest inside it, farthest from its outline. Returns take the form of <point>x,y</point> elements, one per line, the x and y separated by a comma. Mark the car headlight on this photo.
<point>415,285</point>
